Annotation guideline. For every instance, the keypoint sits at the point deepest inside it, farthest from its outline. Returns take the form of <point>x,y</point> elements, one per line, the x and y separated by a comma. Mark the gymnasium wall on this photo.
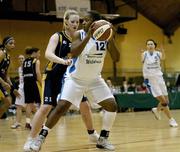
<point>130,45</point>
<point>37,34</point>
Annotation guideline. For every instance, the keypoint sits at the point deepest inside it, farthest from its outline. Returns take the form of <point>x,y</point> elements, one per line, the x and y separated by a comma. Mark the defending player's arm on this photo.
<point>50,51</point>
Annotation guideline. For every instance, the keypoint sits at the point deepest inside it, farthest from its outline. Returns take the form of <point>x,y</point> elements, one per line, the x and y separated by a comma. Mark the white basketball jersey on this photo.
<point>151,64</point>
<point>88,65</point>
<point>21,79</point>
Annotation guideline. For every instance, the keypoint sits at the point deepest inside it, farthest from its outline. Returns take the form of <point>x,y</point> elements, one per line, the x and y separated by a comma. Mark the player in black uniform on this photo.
<point>58,52</point>
<point>32,78</point>
<point>5,83</point>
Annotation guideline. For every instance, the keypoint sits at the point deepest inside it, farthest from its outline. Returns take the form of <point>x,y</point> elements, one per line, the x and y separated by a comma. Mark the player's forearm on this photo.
<point>53,58</point>
<point>114,52</point>
<point>78,47</point>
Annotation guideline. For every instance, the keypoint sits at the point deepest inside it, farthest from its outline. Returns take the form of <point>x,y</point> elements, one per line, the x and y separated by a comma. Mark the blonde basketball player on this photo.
<point>57,53</point>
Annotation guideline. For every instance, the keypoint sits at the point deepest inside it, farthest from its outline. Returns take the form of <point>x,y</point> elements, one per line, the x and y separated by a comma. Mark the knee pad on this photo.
<point>164,104</point>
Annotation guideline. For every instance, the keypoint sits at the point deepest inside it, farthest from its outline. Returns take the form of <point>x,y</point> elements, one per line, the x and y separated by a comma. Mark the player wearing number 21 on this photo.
<point>83,77</point>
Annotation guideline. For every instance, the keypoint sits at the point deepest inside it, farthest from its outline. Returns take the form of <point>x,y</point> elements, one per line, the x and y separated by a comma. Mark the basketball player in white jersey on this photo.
<point>151,59</point>
<point>19,101</point>
<point>84,77</point>
<point>57,51</point>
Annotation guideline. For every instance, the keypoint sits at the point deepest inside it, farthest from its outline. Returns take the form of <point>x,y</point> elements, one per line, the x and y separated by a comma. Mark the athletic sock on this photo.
<point>44,131</point>
<point>90,131</point>
<point>104,133</point>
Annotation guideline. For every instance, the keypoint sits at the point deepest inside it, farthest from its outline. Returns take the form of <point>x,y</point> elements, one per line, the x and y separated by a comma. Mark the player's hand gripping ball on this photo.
<point>102,30</point>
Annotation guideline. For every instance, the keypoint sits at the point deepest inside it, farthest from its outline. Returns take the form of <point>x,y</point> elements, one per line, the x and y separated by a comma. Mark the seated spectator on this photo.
<point>142,88</point>
<point>124,87</point>
<point>169,86</point>
<point>132,87</point>
<point>110,85</point>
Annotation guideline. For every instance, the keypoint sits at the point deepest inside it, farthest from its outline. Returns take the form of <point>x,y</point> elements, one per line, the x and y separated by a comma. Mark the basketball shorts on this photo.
<point>51,88</point>
<point>32,92</point>
<point>95,91</point>
<point>156,86</point>
<point>20,101</point>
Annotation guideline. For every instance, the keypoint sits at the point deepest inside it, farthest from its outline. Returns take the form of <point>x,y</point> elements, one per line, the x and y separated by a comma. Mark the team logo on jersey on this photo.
<point>93,61</point>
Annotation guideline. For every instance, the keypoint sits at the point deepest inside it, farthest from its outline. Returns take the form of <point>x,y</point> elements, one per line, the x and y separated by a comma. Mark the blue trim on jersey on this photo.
<point>59,95</point>
<point>145,55</point>
<point>158,55</point>
<point>72,68</point>
<point>146,82</point>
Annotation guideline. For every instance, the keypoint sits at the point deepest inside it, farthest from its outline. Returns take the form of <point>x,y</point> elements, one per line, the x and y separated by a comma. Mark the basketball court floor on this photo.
<point>132,132</point>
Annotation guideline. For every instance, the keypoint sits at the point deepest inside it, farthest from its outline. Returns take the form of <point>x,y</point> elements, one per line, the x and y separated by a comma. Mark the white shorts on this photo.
<point>20,101</point>
<point>96,91</point>
<point>157,86</point>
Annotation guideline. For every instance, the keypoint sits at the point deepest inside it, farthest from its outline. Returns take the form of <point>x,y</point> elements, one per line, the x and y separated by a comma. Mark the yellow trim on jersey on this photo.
<point>60,39</point>
<point>39,89</point>
<point>43,86</point>
<point>34,60</point>
<point>49,66</point>
<point>69,38</point>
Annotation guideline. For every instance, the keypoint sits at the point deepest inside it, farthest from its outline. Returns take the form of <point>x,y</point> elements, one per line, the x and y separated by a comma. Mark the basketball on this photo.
<point>102,30</point>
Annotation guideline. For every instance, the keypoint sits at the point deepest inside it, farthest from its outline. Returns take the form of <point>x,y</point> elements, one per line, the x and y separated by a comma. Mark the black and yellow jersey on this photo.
<point>62,51</point>
<point>4,65</point>
<point>29,69</point>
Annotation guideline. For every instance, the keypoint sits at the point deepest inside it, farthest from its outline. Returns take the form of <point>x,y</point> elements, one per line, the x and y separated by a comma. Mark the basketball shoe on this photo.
<point>94,137</point>
<point>27,145</point>
<point>36,145</point>
<point>103,143</point>
<point>173,123</point>
<point>15,125</point>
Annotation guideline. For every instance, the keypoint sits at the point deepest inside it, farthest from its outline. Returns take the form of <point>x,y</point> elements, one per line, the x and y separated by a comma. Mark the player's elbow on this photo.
<point>48,55</point>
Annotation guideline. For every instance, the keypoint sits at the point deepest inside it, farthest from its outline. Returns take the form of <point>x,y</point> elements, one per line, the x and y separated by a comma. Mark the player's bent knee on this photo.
<point>164,104</point>
<point>112,106</point>
<point>62,107</point>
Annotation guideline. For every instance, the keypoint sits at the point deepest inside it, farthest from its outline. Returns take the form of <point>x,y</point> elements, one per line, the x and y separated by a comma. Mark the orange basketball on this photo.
<point>102,30</point>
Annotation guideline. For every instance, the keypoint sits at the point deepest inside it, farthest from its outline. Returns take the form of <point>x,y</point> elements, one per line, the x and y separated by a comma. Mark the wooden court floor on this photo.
<point>132,132</point>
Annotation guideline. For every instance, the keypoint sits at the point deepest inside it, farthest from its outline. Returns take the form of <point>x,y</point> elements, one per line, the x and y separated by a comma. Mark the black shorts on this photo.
<point>31,92</point>
<point>52,87</point>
